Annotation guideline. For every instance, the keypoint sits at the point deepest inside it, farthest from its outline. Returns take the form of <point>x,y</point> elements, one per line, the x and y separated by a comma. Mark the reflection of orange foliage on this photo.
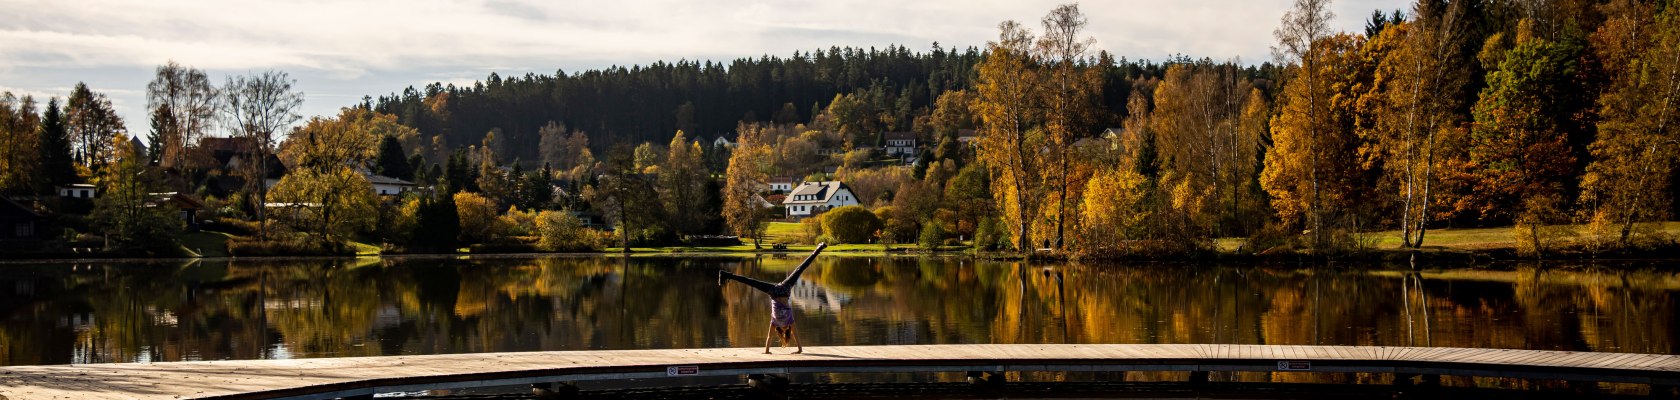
<point>325,308</point>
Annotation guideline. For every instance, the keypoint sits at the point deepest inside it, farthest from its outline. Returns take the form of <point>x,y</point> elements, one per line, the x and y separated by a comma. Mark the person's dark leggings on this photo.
<point>783,289</point>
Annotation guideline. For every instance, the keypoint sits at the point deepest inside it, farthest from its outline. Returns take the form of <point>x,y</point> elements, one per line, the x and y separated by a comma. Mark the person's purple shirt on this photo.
<point>781,314</point>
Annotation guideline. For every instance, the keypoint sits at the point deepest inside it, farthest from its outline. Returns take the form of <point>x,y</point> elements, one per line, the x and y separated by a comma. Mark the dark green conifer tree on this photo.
<point>390,161</point>
<point>57,166</point>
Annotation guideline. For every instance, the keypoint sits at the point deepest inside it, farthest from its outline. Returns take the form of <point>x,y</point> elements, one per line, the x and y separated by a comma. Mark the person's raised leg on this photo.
<point>793,277</point>
<point>762,286</point>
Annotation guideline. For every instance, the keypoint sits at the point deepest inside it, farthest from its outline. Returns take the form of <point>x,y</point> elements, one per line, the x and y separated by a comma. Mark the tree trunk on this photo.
<point>1061,206</point>
<point>623,229</point>
<point>262,196</point>
<point>1428,182</point>
<point>1314,208</point>
<point>1021,229</point>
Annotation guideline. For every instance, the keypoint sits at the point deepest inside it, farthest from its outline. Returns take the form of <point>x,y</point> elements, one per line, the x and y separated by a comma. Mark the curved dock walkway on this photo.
<point>363,376</point>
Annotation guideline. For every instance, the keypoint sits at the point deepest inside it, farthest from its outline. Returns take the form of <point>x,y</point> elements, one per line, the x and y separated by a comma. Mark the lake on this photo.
<point>212,310</point>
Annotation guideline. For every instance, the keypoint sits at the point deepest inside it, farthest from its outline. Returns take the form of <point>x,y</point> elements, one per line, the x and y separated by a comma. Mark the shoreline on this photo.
<point>660,252</point>
<point>1375,256</point>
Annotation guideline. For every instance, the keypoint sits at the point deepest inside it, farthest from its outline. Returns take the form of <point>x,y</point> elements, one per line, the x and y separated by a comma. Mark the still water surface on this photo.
<point>82,313</point>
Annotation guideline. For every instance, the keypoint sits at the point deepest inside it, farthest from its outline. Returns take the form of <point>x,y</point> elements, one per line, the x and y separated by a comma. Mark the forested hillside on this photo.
<point>631,105</point>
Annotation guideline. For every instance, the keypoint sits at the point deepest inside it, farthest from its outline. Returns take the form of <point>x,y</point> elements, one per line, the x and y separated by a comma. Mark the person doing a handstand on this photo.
<point>781,313</point>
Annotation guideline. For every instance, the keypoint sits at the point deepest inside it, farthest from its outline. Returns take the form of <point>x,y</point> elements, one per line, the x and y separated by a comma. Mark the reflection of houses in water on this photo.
<point>389,316</point>
<point>292,304</point>
<point>23,288</point>
<point>79,322</point>
<point>813,298</point>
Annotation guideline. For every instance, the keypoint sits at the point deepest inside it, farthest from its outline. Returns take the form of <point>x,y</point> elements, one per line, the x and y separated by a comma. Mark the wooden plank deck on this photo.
<point>335,377</point>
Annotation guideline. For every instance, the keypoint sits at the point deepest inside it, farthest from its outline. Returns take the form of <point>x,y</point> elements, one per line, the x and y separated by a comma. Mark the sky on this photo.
<point>340,51</point>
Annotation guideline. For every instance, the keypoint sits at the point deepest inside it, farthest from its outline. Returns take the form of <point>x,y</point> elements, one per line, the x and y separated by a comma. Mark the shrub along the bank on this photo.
<point>850,224</point>
<point>560,231</point>
<point>896,227</point>
<point>287,247</point>
<point>810,229</point>
<point>992,235</point>
<point>932,235</point>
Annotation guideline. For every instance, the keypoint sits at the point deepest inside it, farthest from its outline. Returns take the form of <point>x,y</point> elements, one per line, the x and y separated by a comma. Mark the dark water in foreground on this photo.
<point>63,313</point>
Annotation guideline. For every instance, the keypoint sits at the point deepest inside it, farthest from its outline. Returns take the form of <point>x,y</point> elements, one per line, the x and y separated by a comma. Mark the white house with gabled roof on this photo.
<point>812,198</point>
<point>900,143</point>
<point>388,186</point>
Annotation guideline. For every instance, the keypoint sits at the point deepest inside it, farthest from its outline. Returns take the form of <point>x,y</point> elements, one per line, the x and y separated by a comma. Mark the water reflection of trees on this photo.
<point>54,314</point>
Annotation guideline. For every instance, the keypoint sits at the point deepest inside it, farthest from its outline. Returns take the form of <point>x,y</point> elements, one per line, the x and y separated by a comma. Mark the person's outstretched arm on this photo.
<point>794,276</point>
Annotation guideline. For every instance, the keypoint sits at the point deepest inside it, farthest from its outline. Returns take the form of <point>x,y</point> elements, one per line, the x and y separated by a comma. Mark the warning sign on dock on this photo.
<point>682,370</point>
<point>1294,365</point>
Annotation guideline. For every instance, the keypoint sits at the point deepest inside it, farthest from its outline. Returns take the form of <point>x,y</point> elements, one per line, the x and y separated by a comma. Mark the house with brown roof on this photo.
<point>781,184</point>
<point>18,222</point>
<point>185,205</point>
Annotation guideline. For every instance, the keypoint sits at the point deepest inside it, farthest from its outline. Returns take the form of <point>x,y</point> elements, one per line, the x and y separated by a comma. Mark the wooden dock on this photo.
<point>363,376</point>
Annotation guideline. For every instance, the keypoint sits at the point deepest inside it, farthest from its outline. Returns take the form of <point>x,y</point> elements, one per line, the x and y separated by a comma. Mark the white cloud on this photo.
<point>346,49</point>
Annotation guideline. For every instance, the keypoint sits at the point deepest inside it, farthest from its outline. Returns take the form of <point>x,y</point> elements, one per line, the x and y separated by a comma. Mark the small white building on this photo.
<point>781,184</point>
<point>812,198</point>
<point>722,142</point>
<point>900,143</point>
<point>388,186</point>
<point>78,191</point>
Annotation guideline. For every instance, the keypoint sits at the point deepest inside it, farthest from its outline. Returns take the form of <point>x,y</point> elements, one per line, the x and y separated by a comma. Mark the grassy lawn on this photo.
<point>748,248</point>
<point>208,244</point>
<point>1482,238</point>
<point>205,244</point>
<point>364,249</point>
<point>1455,238</point>
<point>779,232</point>
<point>782,232</point>
<point>1462,239</point>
